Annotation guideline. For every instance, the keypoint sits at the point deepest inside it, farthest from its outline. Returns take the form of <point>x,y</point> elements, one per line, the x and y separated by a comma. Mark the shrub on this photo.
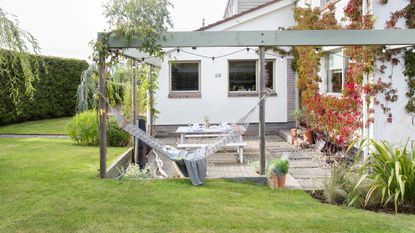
<point>133,172</point>
<point>83,129</point>
<point>54,94</point>
<point>391,172</point>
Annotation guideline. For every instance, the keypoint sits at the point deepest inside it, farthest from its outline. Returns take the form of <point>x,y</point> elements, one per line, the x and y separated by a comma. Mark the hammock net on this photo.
<point>195,160</point>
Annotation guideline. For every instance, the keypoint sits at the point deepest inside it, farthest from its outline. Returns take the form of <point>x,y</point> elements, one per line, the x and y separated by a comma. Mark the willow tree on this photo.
<point>17,43</point>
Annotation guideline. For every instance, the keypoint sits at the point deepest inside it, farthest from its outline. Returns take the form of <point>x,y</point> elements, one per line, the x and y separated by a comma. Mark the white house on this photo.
<point>224,88</point>
<point>222,84</point>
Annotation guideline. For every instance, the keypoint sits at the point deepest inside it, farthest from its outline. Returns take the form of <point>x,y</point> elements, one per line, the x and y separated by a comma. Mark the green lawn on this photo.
<point>48,126</point>
<point>50,185</point>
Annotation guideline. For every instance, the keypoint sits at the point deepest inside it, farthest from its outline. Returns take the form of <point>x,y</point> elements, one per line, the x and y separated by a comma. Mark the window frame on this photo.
<point>185,62</point>
<point>328,70</point>
<point>274,81</point>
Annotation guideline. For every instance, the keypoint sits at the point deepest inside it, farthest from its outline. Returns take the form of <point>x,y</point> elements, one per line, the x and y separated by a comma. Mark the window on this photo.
<point>335,72</point>
<point>269,69</point>
<point>243,75</point>
<point>184,76</point>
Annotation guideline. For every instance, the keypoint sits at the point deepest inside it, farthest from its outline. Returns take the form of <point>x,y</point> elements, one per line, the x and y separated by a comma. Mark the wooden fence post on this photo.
<point>151,100</point>
<point>134,111</point>
<point>262,77</point>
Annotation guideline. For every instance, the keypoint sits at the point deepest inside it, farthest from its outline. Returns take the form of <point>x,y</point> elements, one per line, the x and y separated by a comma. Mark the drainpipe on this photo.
<point>366,126</point>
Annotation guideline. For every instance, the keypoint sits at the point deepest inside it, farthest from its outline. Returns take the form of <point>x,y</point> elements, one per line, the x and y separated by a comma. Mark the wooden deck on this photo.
<point>226,163</point>
<point>304,172</point>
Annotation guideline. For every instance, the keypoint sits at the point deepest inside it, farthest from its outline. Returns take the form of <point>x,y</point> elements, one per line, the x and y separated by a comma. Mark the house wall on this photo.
<point>244,5</point>
<point>401,130</point>
<point>214,101</point>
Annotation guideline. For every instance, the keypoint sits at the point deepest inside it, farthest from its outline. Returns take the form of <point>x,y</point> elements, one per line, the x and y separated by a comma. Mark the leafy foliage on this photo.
<point>278,167</point>
<point>391,171</point>
<point>19,42</point>
<point>133,172</point>
<point>83,130</point>
<point>54,94</point>
<point>139,19</point>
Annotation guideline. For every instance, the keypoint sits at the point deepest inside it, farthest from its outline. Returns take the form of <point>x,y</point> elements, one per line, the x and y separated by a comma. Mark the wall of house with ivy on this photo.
<point>55,89</point>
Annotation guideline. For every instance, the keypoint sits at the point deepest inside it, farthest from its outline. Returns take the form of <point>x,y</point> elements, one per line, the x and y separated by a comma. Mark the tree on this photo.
<point>17,43</point>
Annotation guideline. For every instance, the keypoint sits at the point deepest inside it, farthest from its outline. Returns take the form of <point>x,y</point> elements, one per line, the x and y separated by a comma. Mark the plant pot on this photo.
<point>277,181</point>
<point>308,136</point>
<point>294,132</point>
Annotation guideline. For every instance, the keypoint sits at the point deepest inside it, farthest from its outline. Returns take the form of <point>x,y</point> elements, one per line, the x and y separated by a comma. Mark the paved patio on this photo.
<point>304,173</point>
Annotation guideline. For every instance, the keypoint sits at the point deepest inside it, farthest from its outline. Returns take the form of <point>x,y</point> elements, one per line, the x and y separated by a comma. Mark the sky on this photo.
<point>64,28</point>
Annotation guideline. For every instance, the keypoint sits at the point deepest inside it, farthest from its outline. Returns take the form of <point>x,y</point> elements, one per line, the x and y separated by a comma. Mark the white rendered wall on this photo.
<point>214,101</point>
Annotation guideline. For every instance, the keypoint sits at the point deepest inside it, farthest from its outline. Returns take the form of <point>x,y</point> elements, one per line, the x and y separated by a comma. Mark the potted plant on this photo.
<point>298,117</point>
<point>207,125</point>
<point>277,173</point>
<point>308,133</point>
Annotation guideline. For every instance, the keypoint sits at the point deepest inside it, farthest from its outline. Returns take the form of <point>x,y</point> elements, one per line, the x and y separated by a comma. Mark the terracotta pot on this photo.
<point>277,181</point>
<point>308,136</point>
<point>294,133</point>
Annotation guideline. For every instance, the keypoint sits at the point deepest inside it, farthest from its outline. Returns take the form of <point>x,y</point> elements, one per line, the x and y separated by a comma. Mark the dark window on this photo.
<point>185,76</point>
<point>336,67</point>
<point>242,75</point>
<point>269,69</point>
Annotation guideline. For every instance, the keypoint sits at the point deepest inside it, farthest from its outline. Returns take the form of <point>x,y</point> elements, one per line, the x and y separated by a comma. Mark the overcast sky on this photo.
<point>65,27</point>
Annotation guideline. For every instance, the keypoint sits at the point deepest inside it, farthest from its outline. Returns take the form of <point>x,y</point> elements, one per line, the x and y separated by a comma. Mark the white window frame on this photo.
<point>181,62</point>
<point>327,70</point>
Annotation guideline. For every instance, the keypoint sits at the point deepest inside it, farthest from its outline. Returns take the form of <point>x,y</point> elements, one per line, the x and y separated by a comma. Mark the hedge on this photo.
<point>55,94</point>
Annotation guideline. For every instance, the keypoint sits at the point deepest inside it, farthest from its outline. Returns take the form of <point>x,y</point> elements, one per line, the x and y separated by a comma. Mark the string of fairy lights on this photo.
<point>247,49</point>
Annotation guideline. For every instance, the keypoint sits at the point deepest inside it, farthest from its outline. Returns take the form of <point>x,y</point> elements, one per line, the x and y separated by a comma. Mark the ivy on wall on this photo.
<point>407,13</point>
<point>337,119</point>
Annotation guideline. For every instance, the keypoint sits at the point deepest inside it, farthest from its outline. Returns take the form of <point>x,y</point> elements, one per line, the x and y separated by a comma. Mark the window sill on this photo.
<point>184,95</point>
<point>334,94</point>
<point>247,94</point>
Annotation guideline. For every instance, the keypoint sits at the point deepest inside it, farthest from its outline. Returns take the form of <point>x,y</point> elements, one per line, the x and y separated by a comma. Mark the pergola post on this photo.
<point>102,112</point>
<point>261,123</point>
<point>134,110</point>
<point>151,103</point>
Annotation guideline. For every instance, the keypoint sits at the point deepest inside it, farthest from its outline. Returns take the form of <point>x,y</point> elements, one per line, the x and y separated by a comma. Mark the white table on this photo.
<point>214,130</point>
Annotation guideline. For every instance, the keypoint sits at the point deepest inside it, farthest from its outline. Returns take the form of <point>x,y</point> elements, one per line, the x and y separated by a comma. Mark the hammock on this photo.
<point>195,160</point>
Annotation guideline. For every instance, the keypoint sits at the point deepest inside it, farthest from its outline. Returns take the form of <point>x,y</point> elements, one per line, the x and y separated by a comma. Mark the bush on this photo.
<point>391,173</point>
<point>83,130</point>
<point>55,90</point>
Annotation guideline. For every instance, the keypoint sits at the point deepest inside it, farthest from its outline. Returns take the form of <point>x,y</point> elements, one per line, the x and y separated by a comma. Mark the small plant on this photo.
<point>278,167</point>
<point>298,116</point>
<point>206,119</point>
<point>133,172</point>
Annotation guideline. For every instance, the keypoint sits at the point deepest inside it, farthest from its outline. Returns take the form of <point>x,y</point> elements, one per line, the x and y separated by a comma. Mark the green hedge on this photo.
<point>55,94</point>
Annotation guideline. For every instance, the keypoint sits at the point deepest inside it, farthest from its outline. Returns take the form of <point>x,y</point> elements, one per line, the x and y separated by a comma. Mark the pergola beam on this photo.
<point>274,38</point>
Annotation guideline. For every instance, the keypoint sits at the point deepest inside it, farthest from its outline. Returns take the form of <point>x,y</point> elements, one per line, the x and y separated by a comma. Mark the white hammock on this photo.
<point>195,160</point>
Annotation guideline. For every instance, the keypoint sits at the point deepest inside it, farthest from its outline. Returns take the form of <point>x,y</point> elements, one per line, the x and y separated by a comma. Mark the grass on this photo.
<point>48,126</point>
<point>50,185</point>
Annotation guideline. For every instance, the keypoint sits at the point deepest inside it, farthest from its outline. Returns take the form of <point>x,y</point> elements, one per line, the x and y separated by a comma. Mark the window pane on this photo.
<point>335,81</point>
<point>185,76</point>
<point>269,69</point>
<point>336,61</point>
<point>242,75</point>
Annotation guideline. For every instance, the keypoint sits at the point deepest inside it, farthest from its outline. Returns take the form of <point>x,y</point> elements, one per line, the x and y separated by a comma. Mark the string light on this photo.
<point>178,50</point>
<point>413,49</point>
<point>316,50</point>
<point>282,58</point>
<point>384,49</point>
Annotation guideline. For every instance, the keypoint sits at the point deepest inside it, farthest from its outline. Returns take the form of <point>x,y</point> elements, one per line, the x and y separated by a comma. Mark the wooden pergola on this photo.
<point>260,39</point>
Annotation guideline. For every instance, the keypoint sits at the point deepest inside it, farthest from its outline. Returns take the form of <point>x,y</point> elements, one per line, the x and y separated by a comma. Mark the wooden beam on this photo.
<point>262,76</point>
<point>102,112</point>
<point>274,38</point>
<point>151,103</point>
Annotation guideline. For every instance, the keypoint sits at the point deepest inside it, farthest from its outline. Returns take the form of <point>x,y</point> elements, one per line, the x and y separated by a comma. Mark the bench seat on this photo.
<point>239,147</point>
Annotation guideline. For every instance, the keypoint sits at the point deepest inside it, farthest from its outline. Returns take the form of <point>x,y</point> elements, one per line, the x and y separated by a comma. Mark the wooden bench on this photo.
<point>239,148</point>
